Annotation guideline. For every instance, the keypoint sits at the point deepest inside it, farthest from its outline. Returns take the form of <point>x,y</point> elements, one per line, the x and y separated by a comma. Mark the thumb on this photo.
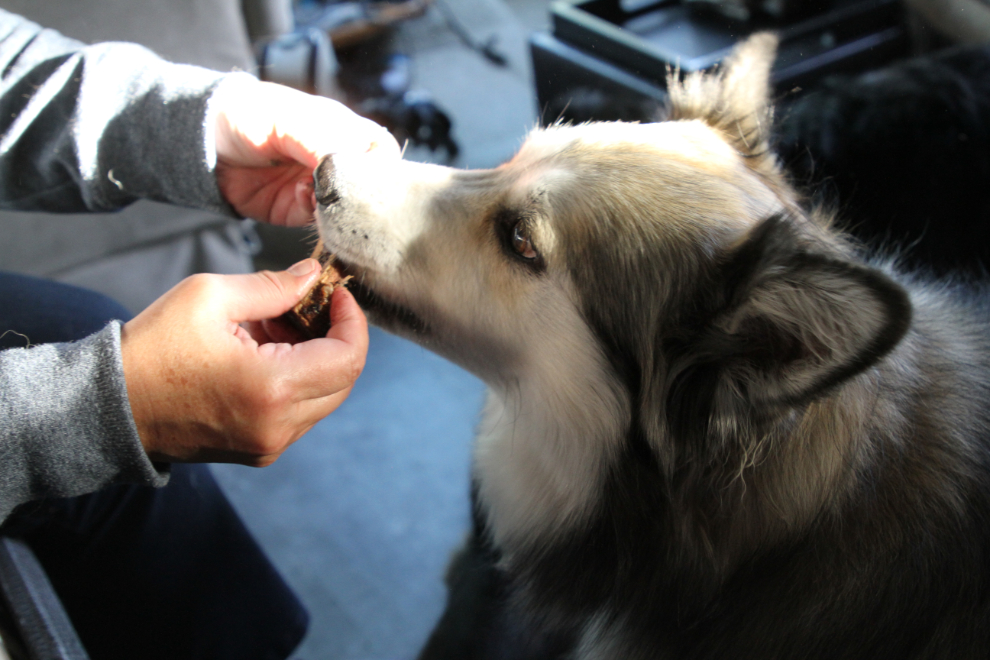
<point>267,294</point>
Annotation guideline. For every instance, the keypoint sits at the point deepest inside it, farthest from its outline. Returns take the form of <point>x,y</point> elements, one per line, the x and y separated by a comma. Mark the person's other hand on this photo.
<point>204,388</point>
<point>269,139</point>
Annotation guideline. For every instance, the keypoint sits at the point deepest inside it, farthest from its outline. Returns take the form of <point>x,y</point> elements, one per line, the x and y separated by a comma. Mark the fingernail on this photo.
<point>304,267</point>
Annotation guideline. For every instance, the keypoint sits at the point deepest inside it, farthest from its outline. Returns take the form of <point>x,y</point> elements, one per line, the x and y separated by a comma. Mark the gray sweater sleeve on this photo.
<point>88,128</point>
<point>66,430</point>
<point>97,127</point>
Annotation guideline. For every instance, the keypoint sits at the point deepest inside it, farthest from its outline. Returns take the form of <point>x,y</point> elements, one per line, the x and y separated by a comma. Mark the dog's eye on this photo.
<point>522,243</point>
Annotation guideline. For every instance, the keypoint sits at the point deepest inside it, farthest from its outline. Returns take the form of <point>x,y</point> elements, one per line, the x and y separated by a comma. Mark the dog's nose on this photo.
<point>325,182</point>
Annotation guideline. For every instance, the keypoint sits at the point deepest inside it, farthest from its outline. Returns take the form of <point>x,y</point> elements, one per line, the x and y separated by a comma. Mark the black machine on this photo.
<point>608,59</point>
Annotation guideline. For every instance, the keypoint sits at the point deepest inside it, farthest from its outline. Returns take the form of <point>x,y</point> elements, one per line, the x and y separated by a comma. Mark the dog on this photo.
<point>715,428</point>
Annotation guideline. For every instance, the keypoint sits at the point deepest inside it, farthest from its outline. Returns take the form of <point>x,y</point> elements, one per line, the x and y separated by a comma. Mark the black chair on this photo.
<point>34,624</point>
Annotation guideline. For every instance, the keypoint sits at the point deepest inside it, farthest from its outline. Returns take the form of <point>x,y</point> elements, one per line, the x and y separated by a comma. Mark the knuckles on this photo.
<point>262,461</point>
<point>202,286</point>
<point>268,398</point>
<point>265,445</point>
<point>268,421</point>
<point>353,366</point>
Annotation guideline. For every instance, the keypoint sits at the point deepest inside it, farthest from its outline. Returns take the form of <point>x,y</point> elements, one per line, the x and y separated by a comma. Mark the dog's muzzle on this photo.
<point>325,182</point>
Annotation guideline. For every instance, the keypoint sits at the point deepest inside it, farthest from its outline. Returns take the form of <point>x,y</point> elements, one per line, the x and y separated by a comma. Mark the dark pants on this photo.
<point>151,573</point>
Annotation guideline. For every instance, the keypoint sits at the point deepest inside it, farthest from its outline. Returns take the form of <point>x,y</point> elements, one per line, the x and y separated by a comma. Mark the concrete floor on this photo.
<point>361,514</point>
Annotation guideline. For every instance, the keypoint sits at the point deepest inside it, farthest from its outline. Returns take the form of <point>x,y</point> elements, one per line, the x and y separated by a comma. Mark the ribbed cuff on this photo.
<point>67,427</point>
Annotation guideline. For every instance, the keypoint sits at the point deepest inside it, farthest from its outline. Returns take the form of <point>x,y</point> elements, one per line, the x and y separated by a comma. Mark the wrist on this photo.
<point>137,393</point>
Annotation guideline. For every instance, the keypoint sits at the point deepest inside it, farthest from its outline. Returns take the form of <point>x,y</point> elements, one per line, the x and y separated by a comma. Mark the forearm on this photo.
<point>97,127</point>
<point>67,425</point>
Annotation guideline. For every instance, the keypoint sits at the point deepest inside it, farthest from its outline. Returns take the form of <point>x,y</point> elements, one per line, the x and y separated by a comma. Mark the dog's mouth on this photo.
<point>382,310</point>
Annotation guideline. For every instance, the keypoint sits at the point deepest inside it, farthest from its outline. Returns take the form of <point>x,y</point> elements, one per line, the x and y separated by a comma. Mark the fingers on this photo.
<point>305,204</point>
<point>260,121</point>
<point>316,410</point>
<point>267,294</point>
<point>269,138</point>
<point>273,331</point>
<point>349,325</point>
<point>334,363</point>
<point>203,387</point>
<point>270,194</point>
<point>347,322</point>
<point>263,453</point>
<point>323,367</point>
<point>323,126</point>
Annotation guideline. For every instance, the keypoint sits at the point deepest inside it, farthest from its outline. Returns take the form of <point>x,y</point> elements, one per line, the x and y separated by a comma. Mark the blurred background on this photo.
<point>362,514</point>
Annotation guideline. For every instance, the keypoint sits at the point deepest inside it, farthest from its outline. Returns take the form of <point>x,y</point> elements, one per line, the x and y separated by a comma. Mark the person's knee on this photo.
<point>39,311</point>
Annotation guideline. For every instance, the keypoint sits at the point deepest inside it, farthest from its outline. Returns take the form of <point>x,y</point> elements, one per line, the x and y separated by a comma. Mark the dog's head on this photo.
<point>660,274</point>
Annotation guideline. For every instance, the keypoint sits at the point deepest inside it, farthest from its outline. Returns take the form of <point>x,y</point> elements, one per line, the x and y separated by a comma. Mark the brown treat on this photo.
<point>311,315</point>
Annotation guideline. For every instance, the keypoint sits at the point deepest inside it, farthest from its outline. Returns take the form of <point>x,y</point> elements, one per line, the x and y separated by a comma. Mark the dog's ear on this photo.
<point>735,99</point>
<point>794,319</point>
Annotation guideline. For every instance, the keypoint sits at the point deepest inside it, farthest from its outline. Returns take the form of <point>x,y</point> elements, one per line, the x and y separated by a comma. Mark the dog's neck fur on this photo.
<point>771,489</point>
<point>547,438</point>
<point>554,434</point>
<point>544,456</point>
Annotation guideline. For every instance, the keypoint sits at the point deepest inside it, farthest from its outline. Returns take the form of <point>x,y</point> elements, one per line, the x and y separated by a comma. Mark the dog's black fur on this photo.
<point>905,152</point>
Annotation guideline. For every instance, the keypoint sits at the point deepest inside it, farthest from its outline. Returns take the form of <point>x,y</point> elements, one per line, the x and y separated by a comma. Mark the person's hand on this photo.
<point>204,388</point>
<point>269,139</point>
